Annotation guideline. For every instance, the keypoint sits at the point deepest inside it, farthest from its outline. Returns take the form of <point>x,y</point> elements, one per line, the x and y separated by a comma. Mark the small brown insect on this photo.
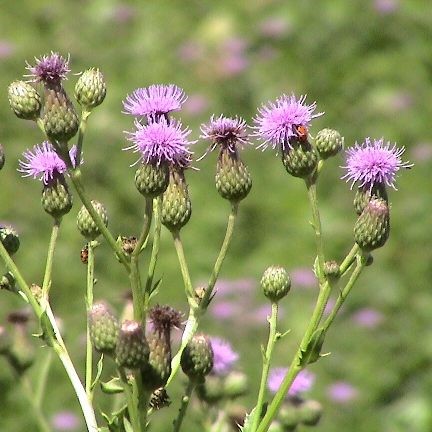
<point>84,254</point>
<point>302,132</point>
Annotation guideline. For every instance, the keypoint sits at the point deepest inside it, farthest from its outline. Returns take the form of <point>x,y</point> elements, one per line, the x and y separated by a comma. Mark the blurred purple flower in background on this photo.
<point>123,13</point>
<point>235,286</point>
<point>303,277</point>
<point>65,421</point>
<point>422,152</point>
<point>368,317</point>
<point>224,356</point>
<point>275,27</point>
<point>302,383</point>
<point>226,309</point>
<point>6,49</point>
<point>342,392</point>
<point>385,7</point>
<point>196,104</point>
<point>374,162</point>
<point>190,51</point>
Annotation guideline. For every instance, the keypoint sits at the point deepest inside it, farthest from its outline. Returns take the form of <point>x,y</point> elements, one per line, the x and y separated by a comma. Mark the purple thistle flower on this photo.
<point>368,318</point>
<point>43,162</point>
<point>65,421</point>
<point>342,392</point>
<point>225,131</point>
<point>154,101</point>
<point>277,121</point>
<point>224,356</point>
<point>374,162</point>
<point>49,68</point>
<point>302,383</point>
<point>161,142</point>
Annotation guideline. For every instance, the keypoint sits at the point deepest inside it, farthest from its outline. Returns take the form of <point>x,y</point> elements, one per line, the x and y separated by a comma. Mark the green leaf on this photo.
<point>127,425</point>
<point>113,386</point>
<point>311,353</point>
<point>98,372</point>
<point>48,334</point>
<point>155,287</point>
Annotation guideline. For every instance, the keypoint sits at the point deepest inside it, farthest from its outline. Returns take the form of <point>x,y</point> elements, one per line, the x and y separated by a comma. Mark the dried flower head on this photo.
<point>224,357</point>
<point>374,162</point>
<point>225,131</point>
<point>49,68</point>
<point>161,142</point>
<point>154,101</point>
<point>164,318</point>
<point>44,163</point>
<point>277,122</point>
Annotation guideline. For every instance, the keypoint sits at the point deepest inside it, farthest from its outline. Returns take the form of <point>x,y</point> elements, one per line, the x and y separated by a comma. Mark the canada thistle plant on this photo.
<point>138,346</point>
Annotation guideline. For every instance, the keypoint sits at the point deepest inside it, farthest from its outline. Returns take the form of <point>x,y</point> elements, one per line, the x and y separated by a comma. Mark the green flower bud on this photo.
<point>364,195</point>
<point>372,228</point>
<point>59,116</point>
<point>310,412</point>
<point>176,204</point>
<point>2,157</point>
<point>9,238</point>
<point>85,223</point>
<point>151,180</point>
<point>331,269</point>
<point>235,384</point>
<point>132,349</point>
<point>56,198</point>
<point>24,100</point>
<point>275,283</point>
<point>233,180</point>
<point>300,160</point>
<point>90,89</point>
<point>7,282</point>
<point>328,142</point>
<point>197,358</point>
<point>275,426</point>
<point>289,416</point>
<point>212,390</point>
<point>104,328</point>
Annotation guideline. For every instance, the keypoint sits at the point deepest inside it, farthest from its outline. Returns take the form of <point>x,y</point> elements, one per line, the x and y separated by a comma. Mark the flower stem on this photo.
<point>75,175</point>
<point>132,402</point>
<point>50,256</point>
<point>183,265</point>
<point>81,132</point>
<point>184,405</point>
<point>196,311</point>
<point>43,378</point>
<point>266,364</point>
<point>89,304</point>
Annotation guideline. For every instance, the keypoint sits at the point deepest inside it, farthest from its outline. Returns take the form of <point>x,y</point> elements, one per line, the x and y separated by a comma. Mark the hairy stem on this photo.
<point>50,256</point>
<point>184,406</point>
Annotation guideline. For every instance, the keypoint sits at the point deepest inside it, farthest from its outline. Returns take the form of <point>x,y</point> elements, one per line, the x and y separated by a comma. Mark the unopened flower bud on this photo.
<point>310,412</point>
<point>300,160</point>
<point>235,384</point>
<point>364,195</point>
<point>90,89</point>
<point>85,223</point>
<point>132,349</point>
<point>275,283</point>
<point>328,142</point>
<point>331,269</point>
<point>275,426</point>
<point>104,328</point>
<point>56,197</point>
<point>24,100</point>
<point>233,180</point>
<point>59,116</point>
<point>197,358</point>
<point>176,204</point>
<point>9,238</point>
<point>7,282</point>
<point>212,390</point>
<point>289,416</point>
<point>372,228</point>
<point>151,180</point>
<point>2,157</point>
<point>369,260</point>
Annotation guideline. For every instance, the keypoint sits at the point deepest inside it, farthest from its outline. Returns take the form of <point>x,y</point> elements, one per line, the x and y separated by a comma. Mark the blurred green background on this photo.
<point>367,63</point>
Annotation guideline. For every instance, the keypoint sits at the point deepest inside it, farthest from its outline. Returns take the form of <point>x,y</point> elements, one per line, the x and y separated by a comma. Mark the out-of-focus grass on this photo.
<point>369,68</point>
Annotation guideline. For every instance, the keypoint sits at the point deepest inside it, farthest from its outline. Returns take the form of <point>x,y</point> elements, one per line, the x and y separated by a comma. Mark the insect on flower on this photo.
<point>302,132</point>
<point>84,254</point>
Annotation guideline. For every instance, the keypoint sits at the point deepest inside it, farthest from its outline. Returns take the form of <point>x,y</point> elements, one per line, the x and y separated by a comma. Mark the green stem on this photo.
<point>43,378</point>
<point>266,364</point>
<point>316,223</point>
<point>349,259</point>
<point>81,132</point>
<point>183,265</point>
<point>50,256</point>
<point>196,311</point>
<point>146,226</point>
<point>184,406</point>
<point>344,293</point>
<point>75,175</point>
<point>89,304</point>
<point>132,402</point>
<point>42,423</point>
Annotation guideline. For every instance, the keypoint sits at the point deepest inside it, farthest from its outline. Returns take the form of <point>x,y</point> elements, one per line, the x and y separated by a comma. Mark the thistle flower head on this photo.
<point>224,356</point>
<point>154,101</point>
<point>225,131</point>
<point>277,122</point>
<point>43,162</point>
<point>161,142</point>
<point>302,383</point>
<point>164,318</point>
<point>374,162</point>
<point>50,68</point>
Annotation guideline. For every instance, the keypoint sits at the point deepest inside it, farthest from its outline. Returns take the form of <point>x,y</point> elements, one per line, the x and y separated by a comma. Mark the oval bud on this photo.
<point>132,350</point>
<point>151,180</point>
<point>300,160</point>
<point>85,223</point>
<point>275,283</point>
<point>197,358</point>
<point>24,100</point>
<point>90,89</point>
<point>104,328</point>
<point>56,198</point>
<point>328,142</point>
<point>10,239</point>
<point>310,412</point>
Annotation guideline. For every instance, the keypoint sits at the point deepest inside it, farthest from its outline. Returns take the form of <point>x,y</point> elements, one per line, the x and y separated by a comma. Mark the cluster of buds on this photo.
<point>295,412</point>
